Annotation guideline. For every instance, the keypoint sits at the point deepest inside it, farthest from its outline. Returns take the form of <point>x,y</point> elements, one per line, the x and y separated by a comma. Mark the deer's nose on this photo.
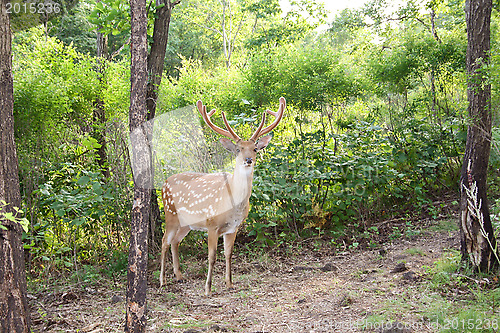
<point>248,160</point>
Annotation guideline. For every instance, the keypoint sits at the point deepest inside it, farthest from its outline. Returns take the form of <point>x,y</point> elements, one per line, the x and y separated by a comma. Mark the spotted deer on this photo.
<point>216,203</point>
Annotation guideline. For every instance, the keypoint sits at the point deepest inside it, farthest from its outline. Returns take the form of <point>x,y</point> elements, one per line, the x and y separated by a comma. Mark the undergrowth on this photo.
<point>450,298</point>
<point>466,301</point>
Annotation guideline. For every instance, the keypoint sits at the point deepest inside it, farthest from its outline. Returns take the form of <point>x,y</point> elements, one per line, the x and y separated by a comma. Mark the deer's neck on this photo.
<point>241,184</point>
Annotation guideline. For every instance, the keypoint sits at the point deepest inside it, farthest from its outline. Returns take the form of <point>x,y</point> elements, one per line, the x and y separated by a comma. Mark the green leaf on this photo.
<point>9,216</point>
<point>90,143</point>
<point>96,186</point>
<point>83,180</point>
<point>25,224</point>
<point>78,221</point>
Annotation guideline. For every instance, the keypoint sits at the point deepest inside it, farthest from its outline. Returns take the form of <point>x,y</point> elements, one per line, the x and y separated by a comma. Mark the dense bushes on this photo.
<point>363,175</point>
<point>74,212</point>
<point>80,212</point>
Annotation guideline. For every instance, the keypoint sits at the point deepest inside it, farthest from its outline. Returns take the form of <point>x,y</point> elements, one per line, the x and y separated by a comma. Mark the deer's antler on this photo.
<point>230,133</point>
<point>206,116</point>
<point>277,115</point>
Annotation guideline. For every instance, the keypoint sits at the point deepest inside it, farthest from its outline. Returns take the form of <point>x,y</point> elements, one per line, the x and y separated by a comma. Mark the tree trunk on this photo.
<point>141,155</point>
<point>476,231</point>
<point>156,59</point>
<point>99,115</point>
<point>14,312</point>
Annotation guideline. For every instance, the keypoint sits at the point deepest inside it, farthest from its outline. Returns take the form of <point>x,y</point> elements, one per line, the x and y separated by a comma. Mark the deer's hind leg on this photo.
<point>172,236</point>
<point>174,248</point>
<point>168,234</point>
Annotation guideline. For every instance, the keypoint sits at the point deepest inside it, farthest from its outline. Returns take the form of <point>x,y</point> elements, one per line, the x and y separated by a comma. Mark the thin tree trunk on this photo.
<point>99,115</point>
<point>14,311</point>
<point>156,59</point>
<point>141,156</point>
<point>433,26</point>
<point>477,249</point>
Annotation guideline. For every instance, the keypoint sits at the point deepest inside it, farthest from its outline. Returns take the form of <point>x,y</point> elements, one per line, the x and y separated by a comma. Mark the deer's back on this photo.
<point>198,198</point>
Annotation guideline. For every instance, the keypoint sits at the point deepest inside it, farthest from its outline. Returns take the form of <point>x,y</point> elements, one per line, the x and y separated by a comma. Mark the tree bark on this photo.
<point>99,115</point>
<point>14,311</point>
<point>156,59</point>
<point>135,320</point>
<point>476,231</point>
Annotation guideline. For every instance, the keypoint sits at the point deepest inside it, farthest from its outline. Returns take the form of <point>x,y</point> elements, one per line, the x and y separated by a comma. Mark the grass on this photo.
<point>456,319</point>
<point>449,225</point>
<point>449,300</point>
<point>373,322</point>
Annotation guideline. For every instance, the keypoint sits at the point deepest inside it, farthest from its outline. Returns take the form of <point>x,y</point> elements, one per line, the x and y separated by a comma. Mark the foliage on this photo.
<point>294,26</point>
<point>217,88</point>
<point>187,42</point>
<point>79,214</point>
<point>405,61</point>
<point>307,76</point>
<point>74,29</point>
<point>13,217</point>
<point>55,88</point>
<point>327,181</point>
<point>26,15</point>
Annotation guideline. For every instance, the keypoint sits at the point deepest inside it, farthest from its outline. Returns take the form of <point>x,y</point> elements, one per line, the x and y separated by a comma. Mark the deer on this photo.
<point>216,203</point>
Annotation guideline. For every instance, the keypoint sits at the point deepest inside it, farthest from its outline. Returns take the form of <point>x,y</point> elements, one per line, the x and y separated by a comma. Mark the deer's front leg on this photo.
<point>228,252</point>
<point>212,252</point>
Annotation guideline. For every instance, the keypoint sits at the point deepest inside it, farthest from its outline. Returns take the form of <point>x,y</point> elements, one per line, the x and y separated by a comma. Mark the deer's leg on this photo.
<point>228,252</point>
<point>213,237</point>
<point>164,248</point>
<point>171,228</point>
<point>174,248</point>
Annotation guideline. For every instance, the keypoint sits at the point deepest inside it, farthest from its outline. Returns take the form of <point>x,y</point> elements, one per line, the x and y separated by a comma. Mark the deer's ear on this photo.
<point>263,142</point>
<point>228,144</point>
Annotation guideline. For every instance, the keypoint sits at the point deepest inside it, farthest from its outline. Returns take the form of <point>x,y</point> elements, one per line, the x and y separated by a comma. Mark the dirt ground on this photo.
<point>380,290</point>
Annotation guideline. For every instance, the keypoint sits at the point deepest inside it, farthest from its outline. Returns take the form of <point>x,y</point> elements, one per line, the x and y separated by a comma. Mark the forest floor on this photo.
<point>313,289</point>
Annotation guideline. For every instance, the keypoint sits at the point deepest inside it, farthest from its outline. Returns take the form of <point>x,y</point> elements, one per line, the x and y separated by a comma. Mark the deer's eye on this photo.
<point>237,150</point>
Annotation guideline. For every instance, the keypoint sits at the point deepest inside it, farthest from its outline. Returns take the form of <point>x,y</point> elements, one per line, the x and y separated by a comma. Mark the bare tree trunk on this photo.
<point>476,231</point>
<point>156,59</point>
<point>14,311</point>
<point>433,26</point>
<point>99,115</point>
<point>141,154</point>
<point>157,53</point>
